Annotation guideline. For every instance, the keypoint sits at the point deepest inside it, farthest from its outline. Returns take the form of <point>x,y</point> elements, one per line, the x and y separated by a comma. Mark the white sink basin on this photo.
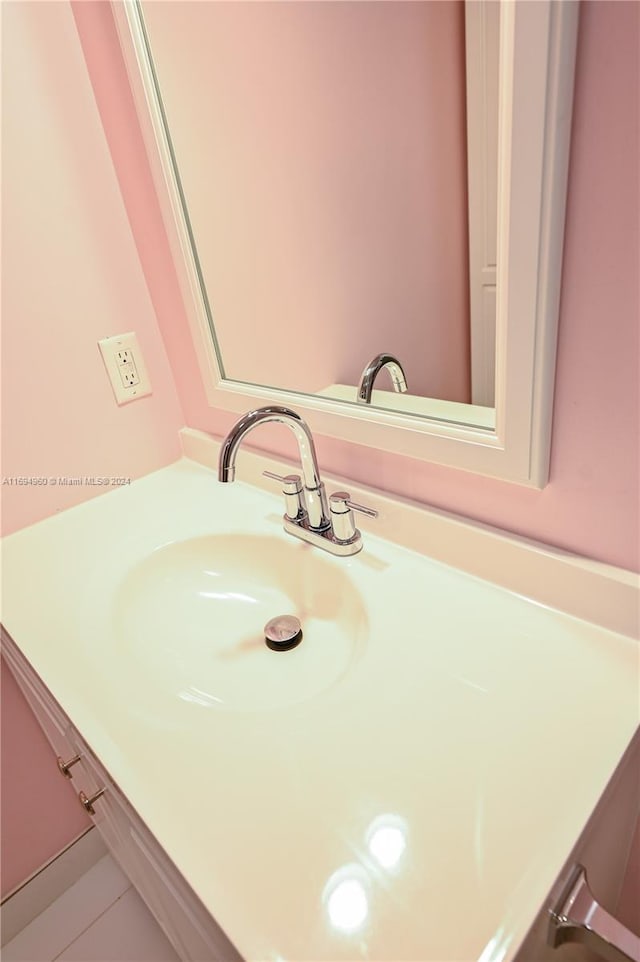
<point>192,613</point>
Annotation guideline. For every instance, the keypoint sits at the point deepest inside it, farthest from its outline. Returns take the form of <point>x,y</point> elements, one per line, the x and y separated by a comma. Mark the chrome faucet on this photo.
<point>371,372</point>
<point>314,499</point>
<point>307,514</point>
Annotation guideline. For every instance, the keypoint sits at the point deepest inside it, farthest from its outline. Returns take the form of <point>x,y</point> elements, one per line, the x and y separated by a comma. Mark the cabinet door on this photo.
<point>89,777</point>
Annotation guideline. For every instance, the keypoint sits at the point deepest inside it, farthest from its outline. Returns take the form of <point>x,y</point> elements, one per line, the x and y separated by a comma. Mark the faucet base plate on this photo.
<point>323,539</point>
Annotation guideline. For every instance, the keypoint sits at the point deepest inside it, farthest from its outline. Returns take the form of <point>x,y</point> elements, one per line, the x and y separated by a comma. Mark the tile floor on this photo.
<point>101,918</point>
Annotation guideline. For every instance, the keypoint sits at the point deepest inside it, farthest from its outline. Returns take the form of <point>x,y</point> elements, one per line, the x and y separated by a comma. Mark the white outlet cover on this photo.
<point>109,348</point>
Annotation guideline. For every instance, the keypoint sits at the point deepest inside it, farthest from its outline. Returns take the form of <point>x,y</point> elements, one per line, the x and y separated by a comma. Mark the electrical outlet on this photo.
<point>129,375</point>
<point>124,357</point>
<point>125,366</point>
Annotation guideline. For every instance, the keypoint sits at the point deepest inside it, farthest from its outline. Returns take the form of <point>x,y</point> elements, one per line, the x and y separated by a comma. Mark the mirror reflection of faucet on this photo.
<point>308,514</point>
<point>371,371</point>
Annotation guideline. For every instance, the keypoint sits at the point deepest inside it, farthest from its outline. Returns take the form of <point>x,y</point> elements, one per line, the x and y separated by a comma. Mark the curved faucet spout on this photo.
<point>314,489</point>
<point>371,372</point>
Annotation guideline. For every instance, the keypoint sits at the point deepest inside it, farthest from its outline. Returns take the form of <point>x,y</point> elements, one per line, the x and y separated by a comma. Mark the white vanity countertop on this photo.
<point>420,808</point>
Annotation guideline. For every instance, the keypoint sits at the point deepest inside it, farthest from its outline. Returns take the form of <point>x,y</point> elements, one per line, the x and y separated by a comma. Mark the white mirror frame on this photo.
<point>537,64</point>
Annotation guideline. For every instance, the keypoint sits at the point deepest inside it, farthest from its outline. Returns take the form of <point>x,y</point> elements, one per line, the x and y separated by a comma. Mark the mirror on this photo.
<point>321,151</point>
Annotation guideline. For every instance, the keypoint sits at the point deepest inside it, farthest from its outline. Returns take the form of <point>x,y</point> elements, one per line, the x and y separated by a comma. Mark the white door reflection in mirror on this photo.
<point>482,45</point>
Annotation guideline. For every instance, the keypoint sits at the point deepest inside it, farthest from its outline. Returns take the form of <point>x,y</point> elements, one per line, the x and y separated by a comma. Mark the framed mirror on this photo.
<point>316,224</point>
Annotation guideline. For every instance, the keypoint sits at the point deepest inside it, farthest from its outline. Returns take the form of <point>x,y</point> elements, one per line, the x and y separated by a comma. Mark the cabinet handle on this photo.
<point>579,918</point>
<point>87,803</point>
<point>63,767</point>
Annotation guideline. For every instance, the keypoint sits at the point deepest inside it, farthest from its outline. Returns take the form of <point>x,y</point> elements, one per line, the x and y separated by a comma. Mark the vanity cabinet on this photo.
<point>182,917</point>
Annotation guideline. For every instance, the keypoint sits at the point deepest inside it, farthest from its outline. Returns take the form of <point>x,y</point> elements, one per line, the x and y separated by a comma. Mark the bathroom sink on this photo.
<point>191,616</point>
<point>371,770</point>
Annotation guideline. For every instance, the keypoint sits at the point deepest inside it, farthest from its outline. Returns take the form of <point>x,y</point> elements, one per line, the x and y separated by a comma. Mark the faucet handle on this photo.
<point>290,481</point>
<point>292,490</point>
<point>341,507</point>
<point>340,502</point>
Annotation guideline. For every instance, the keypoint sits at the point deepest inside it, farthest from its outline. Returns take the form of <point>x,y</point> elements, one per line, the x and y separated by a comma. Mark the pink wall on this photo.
<point>40,814</point>
<point>322,151</point>
<point>590,505</point>
<point>627,908</point>
<point>70,276</point>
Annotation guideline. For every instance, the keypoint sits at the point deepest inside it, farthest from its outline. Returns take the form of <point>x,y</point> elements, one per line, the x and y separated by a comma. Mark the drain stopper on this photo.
<point>283,632</point>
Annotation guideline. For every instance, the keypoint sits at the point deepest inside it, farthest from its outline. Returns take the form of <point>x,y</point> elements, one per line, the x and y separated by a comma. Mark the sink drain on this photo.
<point>283,633</point>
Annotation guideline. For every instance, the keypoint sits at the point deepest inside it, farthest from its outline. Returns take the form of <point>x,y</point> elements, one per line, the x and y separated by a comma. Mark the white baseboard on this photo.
<point>21,906</point>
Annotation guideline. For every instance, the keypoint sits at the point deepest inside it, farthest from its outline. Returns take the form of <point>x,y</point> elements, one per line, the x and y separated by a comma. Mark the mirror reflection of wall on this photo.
<point>322,153</point>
